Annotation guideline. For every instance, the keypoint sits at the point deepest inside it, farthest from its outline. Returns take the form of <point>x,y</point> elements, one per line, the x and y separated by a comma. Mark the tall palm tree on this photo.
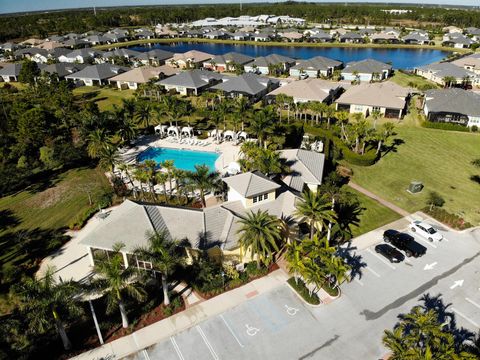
<point>127,130</point>
<point>117,282</point>
<point>375,116</point>
<point>314,209</point>
<point>143,112</point>
<point>140,174</point>
<point>45,300</point>
<point>259,232</point>
<point>384,134</point>
<point>262,125</point>
<point>216,120</point>
<point>169,166</point>
<point>129,108</point>
<point>97,140</point>
<point>109,157</point>
<point>342,118</point>
<point>163,255</point>
<point>162,178</point>
<point>126,168</point>
<point>294,258</point>
<point>204,180</point>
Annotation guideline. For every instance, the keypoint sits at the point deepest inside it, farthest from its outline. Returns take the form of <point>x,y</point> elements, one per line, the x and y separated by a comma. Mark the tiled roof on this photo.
<point>251,183</point>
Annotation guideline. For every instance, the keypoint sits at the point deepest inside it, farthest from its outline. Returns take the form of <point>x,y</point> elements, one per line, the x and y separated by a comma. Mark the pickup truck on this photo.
<point>404,242</point>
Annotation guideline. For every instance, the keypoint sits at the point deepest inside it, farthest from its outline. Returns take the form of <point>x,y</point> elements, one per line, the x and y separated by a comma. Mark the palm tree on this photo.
<point>295,259</point>
<point>109,157</point>
<point>448,81</point>
<point>161,178</point>
<point>385,132</point>
<point>163,255</point>
<point>375,116</point>
<point>129,108</point>
<point>342,118</point>
<point>97,140</point>
<point>126,169</point>
<point>117,282</point>
<point>204,180</point>
<point>170,167</point>
<point>127,130</point>
<point>140,174</point>
<point>44,299</point>
<point>216,120</point>
<point>143,113</point>
<point>262,125</point>
<point>314,209</point>
<point>260,233</point>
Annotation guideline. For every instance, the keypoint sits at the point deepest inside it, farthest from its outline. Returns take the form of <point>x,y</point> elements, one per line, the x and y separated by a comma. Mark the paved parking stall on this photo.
<point>279,325</point>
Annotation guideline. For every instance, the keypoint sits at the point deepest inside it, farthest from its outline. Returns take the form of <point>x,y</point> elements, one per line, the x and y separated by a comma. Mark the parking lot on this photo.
<point>278,325</point>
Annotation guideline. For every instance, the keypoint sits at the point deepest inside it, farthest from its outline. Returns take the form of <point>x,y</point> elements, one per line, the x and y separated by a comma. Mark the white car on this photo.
<point>426,230</point>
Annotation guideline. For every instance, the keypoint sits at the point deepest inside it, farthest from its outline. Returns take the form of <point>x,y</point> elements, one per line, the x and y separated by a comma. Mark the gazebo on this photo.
<point>161,130</point>
<point>229,135</point>
<point>213,133</point>
<point>187,131</point>
<point>242,135</point>
<point>173,130</point>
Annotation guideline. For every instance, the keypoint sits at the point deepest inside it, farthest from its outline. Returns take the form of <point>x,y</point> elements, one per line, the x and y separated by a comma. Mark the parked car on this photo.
<point>392,254</point>
<point>404,242</point>
<point>303,76</point>
<point>426,230</point>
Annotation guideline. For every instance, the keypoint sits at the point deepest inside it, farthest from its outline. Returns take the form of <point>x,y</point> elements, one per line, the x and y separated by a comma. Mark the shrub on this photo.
<point>444,126</point>
<point>435,199</point>
<point>474,128</point>
<point>302,290</point>
<point>367,159</point>
<point>332,291</point>
<point>452,220</point>
<point>252,271</point>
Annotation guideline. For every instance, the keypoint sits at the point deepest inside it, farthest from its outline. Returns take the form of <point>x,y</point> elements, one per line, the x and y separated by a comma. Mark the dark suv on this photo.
<point>389,252</point>
<point>404,242</point>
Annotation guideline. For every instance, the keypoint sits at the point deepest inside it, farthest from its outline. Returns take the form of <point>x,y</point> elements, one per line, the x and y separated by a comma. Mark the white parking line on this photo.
<point>465,317</point>
<point>177,349</point>
<point>373,271</point>
<point>473,303</point>
<point>424,240</point>
<point>231,331</point>
<point>381,259</point>
<point>202,334</point>
<point>145,354</point>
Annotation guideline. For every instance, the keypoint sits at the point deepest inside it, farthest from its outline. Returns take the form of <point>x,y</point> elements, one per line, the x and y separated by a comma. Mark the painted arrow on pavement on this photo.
<point>430,266</point>
<point>456,283</point>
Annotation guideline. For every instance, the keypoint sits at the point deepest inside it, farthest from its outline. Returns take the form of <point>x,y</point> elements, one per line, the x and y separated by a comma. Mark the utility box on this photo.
<point>415,187</point>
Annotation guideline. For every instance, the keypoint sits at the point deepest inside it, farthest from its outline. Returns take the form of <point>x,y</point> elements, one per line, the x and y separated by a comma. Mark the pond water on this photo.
<point>400,58</point>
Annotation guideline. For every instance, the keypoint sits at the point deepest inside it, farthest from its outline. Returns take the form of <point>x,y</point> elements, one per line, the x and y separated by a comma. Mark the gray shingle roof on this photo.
<point>232,57</point>
<point>247,83</point>
<point>122,53</point>
<point>307,167</point>
<point>447,69</point>
<point>317,63</point>
<point>251,183</point>
<point>62,69</point>
<point>11,70</point>
<point>85,53</point>
<point>98,72</point>
<point>351,35</point>
<point>192,79</point>
<point>368,66</point>
<point>272,59</point>
<point>159,54</point>
<point>31,51</point>
<point>453,101</point>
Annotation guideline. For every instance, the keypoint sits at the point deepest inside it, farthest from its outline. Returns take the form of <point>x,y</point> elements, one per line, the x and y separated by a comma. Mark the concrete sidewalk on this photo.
<point>164,329</point>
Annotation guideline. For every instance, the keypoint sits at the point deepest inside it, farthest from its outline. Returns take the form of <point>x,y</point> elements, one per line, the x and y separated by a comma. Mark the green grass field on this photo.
<point>373,215</point>
<point>440,159</point>
<point>407,80</point>
<point>104,97</point>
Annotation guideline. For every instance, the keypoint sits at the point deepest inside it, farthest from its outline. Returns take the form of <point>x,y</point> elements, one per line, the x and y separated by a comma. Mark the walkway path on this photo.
<point>192,316</point>
<point>382,201</point>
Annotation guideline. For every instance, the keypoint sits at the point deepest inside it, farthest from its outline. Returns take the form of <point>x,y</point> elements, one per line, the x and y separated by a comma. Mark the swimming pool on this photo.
<point>182,159</point>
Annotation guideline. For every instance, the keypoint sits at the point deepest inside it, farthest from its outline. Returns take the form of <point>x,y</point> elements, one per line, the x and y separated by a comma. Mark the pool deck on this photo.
<point>228,151</point>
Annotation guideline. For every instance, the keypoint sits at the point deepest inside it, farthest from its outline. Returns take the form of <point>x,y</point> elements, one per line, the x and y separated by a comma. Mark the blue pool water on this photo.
<point>182,159</point>
<point>400,58</point>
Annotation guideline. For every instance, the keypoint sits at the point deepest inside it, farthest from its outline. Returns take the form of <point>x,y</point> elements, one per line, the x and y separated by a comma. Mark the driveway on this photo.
<point>277,325</point>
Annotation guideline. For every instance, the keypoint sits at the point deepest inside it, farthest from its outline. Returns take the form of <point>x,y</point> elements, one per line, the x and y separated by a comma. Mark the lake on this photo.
<point>400,58</point>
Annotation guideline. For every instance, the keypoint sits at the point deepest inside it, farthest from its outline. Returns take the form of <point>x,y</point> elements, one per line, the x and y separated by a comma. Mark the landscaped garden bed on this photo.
<point>302,290</point>
<point>454,221</point>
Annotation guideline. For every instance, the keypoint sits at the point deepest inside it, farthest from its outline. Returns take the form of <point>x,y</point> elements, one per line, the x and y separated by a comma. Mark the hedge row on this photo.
<point>452,220</point>
<point>369,158</point>
<point>302,290</point>
<point>445,126</point>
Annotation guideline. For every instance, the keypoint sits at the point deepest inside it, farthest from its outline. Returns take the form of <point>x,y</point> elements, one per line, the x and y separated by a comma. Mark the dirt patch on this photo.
<point>50,197</point>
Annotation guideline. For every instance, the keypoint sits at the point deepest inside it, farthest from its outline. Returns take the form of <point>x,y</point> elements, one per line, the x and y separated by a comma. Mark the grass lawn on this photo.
<point>440,159</point>
<point>407,80</point>
<point>105,97</point>
<point>373,216</point>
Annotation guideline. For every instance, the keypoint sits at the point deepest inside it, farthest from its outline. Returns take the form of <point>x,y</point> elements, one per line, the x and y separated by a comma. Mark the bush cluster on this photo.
<point>445,126</point>
<point>452,220</point>
<point>302,290</point>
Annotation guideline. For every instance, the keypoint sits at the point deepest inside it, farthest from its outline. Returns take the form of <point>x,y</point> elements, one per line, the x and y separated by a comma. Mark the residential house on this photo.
<point>365,33</point>
<point>384,38</point>
<point>190,59</point>
<point>81,56</point>
<point>441,73</point>
<point>165,32</point>
<point>310,89</point>
<point>470,63</point>
<point>457,41</point>
<point>114,37</point>
<point>31,42</point>
<point>133,78</point>
<point>417,38</point>
<point>96,39</point>
<point>251,86</point>
<point>227,62</point>
<point>307,169</point>
<point>62,69</point>
<point>98,74</point>
<point>366,70</point>
<point>261,37</point>
<point>143,34</point>
<point>474,33</point>
<point>291,36</point>
<point>272,63</point>
<point>320,37</point>
<point>315,67</point>
<point>191,82</point>
<point>32,53</point>
<point>50,45</point>
<point>455,106</point>
<point>351,38</point>
<point>8,46</point>
<point>216,35</point>
<point>241,36</point>
<point>75,43</point>
<point>130,56</point>
<point>10,72</point>
<point>155,57</point>
<point>452,30</point>
<point>387,98</point>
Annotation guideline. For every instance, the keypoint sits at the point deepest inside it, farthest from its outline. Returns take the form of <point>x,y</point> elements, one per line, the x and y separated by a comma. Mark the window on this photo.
<point>255,199</point>
<point>376,108</point>
<point>145,265</point>
<point>265,196</point>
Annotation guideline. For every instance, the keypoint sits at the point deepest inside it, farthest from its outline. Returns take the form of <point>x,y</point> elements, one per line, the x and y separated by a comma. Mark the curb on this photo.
<point>302,299</point>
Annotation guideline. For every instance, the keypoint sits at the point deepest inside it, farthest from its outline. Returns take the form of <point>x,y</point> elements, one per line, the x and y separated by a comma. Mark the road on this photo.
<point>277,325</point>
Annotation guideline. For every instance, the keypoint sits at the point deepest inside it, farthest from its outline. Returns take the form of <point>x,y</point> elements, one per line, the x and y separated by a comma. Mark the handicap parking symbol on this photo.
<point>251,331</point>
<point>291,310</point>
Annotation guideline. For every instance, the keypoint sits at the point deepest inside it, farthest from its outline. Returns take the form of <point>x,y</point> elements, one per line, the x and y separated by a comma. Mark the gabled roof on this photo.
<point>368,66</point>
<point>31,51</point>
<point>310,89</point>
<point>96,39</point>
<point>247,83</point>
<point>317,63</point>
<point>251,183</point>
<point>62,69</point>
<point>11,70</point>
<point>351,35</point>
<point>385,94</point>
<point>192,79</point>
<point>194,55</point>
<point>232,57</point>
<point>122,53</point>
<point>98,72</point>
<point>144,74</point>
<point>85,53</point>
<point>306,166</point>
<point>453,100</point>
<point>271,59</point>
<point>159,54</point>
<point>442,70</point>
